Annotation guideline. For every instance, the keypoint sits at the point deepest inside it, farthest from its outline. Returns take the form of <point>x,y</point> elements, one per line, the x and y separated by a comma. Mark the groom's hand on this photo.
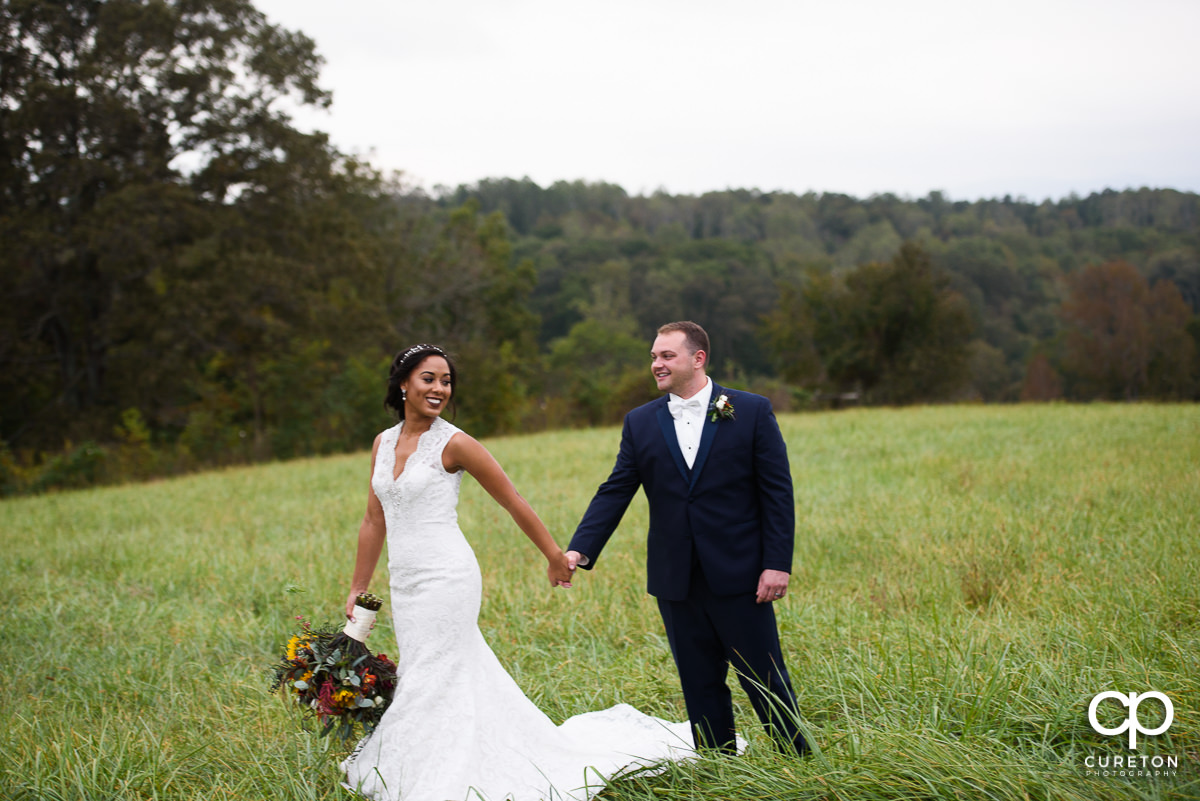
<point>575,559</point>
<point>772,586</point>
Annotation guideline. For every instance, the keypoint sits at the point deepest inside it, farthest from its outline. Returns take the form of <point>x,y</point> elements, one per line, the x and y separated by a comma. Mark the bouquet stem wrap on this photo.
<point>360,627</point>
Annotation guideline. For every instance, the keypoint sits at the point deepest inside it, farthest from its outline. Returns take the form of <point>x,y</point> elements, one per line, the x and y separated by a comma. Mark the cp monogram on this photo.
<point>1132,723</point>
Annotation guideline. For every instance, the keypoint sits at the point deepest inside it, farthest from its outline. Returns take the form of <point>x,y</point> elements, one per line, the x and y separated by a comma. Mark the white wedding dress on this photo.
<point>459,727</point>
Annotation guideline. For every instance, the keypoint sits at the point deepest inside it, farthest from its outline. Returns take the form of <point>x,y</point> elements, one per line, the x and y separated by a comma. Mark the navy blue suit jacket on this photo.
<point>733,512</point>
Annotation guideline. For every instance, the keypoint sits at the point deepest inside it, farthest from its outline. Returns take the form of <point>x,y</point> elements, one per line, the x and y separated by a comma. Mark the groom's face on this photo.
<point>675,368</point>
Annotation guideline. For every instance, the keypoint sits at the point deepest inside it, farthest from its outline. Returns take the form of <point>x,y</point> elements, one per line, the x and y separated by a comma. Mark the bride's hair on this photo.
<point>402,366</point>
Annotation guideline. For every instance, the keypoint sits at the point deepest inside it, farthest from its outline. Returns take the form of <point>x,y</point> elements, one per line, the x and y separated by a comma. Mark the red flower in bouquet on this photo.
<point>325,699</point>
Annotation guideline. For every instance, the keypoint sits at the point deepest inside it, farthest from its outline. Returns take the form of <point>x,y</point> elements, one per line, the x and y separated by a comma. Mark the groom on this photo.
<point>715,471</point>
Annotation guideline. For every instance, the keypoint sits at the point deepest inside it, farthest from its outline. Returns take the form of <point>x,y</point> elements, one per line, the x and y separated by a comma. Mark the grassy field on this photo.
<point>966,580</point>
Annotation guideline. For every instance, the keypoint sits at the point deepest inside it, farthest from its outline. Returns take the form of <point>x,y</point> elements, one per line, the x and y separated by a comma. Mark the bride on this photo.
<point>459,727</point>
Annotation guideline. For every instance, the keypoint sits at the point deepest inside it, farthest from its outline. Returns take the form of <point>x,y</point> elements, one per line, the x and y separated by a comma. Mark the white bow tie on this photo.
<point>677,406</point>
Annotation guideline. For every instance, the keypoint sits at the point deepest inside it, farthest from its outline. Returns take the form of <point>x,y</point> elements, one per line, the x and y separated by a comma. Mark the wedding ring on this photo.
<point>778,594</point>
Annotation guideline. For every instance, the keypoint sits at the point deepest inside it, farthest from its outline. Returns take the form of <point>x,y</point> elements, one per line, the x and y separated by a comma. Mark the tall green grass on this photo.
<point>966,579</point>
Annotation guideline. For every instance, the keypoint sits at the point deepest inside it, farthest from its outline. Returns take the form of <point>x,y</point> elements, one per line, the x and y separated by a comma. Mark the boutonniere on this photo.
<point>721,409</point>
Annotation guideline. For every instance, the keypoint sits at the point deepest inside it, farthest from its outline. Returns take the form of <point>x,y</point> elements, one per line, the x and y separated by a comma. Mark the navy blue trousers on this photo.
<point>708,633</point>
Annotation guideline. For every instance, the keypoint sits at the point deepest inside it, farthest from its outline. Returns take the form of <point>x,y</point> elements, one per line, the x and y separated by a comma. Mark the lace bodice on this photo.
<point>424,492</point>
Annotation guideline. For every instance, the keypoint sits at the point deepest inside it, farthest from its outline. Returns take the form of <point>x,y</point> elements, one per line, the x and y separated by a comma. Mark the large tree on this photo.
<point>128,130</point>
<point>1126,340</point>
<point>891,330</point>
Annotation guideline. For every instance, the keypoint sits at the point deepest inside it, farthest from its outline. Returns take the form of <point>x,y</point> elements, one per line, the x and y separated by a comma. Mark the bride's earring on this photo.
<point>403,395</point>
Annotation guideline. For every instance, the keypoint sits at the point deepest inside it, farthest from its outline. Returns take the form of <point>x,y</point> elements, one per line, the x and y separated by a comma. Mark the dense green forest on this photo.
<point>898,299</point>
<point>190,280</point>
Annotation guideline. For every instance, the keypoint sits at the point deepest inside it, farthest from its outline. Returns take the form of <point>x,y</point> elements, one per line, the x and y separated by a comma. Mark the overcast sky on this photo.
<point>1033,98</point>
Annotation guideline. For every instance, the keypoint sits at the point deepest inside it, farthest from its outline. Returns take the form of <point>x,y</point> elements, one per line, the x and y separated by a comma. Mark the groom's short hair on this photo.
<point>695,336</point>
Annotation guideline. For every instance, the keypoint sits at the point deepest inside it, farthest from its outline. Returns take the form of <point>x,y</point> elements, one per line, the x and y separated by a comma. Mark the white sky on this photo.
<point>1033,98</point>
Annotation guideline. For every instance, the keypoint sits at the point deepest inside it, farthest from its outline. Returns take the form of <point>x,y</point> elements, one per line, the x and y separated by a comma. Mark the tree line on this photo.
<point>889,299</point>
<point>189,280</point>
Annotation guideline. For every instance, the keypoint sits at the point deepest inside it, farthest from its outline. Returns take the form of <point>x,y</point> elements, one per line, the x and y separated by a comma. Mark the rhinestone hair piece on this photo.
<point>418,348</point>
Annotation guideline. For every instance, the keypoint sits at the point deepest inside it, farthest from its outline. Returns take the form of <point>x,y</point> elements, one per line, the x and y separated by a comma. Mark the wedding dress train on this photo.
<point>459,727</point>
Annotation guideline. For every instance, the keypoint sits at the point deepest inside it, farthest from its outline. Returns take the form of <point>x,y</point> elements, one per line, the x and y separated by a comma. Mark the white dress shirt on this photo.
<point>689,420</point>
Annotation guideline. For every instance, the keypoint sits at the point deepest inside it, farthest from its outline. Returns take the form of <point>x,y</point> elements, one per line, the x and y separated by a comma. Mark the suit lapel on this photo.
<point>667,423</point>
<point>706,437</point>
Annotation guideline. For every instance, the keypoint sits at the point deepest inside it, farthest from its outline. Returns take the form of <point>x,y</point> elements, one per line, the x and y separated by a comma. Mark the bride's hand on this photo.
<point>350,599</point>
<point>560,571</point>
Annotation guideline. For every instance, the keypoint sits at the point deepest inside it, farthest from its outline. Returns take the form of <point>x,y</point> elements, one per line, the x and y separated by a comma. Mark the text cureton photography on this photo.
<point>1131,765</point>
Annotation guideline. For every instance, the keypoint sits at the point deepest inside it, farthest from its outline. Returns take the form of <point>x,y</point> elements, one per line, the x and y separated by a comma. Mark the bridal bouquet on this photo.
<point>332,675</point>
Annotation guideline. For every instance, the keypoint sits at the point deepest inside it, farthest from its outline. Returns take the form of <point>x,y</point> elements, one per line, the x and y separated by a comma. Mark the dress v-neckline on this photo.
<point>407,459</point>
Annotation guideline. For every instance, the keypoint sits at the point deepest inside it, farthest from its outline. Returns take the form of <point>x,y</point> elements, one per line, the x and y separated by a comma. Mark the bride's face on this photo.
<point>428,388</point>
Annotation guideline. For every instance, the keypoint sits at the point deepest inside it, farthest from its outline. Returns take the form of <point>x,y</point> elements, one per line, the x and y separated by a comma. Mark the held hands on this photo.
<point>574,560</point>
<point>772,586</point>
<point>560,570</point>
